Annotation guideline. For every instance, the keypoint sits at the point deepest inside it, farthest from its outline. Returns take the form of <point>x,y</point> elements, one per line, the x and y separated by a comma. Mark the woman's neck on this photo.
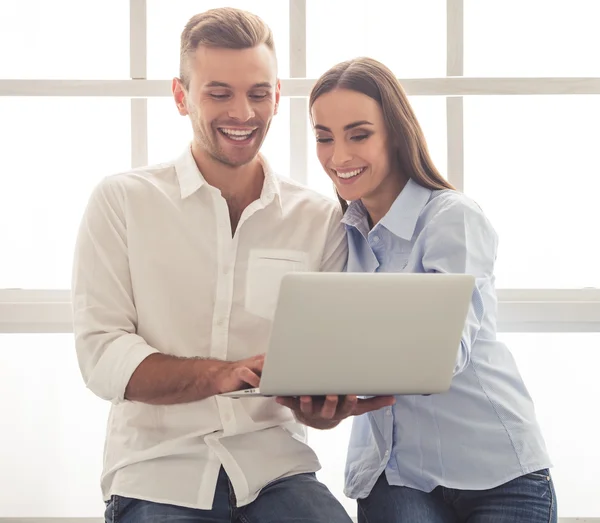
<point>379,202</point>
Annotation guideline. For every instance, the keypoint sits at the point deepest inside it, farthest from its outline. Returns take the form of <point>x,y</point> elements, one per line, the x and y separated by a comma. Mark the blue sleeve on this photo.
<point>459,239</point>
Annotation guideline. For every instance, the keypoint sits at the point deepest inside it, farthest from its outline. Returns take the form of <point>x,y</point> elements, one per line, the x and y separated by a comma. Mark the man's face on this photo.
<point>231,98</point>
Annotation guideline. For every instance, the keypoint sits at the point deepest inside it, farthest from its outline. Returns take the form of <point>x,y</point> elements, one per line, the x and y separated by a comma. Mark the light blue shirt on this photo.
<point>482,432</point>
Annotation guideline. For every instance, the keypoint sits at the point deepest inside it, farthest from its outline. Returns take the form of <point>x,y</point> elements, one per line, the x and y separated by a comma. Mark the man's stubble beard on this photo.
<point>211,144</point>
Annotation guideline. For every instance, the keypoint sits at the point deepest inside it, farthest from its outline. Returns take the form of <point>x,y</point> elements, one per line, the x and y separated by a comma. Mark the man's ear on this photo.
<point>277,96</point>
<point>179,95</point>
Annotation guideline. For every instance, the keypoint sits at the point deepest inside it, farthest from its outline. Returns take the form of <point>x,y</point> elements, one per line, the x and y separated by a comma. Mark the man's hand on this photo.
<point>230,376</point>
<point>326,413</point>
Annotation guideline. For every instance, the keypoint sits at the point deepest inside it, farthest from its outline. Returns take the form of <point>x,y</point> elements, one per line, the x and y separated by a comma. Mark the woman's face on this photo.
<point>353,145</point>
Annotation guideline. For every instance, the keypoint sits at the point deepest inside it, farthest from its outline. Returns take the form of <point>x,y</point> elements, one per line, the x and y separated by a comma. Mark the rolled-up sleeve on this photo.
<point>459,239</point>
<point>104,314</point>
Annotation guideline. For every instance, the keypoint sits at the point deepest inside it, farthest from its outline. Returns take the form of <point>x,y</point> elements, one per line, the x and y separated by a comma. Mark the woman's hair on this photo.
<point>407,142</point>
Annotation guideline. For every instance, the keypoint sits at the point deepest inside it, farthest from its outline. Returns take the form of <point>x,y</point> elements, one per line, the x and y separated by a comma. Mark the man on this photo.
<point>176,274</point>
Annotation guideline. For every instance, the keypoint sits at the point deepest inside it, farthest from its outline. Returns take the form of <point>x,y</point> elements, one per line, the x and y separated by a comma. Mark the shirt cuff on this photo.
<point>113,370</point>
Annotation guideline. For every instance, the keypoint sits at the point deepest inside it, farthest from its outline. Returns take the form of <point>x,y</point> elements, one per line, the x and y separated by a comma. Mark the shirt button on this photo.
<point>387,453</point>
<point>375,239</point>
<point>388,412</point>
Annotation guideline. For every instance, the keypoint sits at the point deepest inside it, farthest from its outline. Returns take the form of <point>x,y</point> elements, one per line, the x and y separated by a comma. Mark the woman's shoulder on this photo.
<point>449,199</point>
<point>450,206</point>
<point>450,203</point>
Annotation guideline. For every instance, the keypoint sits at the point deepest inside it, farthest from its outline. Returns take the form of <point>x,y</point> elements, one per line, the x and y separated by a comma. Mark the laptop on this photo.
<point>367,334</point>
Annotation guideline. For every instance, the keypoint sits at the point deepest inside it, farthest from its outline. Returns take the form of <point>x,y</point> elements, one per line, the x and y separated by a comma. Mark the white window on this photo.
<point>508,95</point>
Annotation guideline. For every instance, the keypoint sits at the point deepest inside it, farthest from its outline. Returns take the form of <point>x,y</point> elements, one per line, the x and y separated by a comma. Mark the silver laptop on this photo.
<point>364,334</point>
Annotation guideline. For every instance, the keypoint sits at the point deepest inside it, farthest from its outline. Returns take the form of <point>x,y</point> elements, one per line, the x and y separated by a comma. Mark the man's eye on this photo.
<point>217,96</point>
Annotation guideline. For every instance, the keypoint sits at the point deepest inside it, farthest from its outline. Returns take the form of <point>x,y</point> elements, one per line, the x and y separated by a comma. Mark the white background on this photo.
<point>519,133</point>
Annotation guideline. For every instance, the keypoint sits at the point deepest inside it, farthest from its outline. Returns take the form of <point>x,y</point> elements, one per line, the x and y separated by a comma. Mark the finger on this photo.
<point>375,403</point>
<point>257,363</point>
<point>329,407</point>
<point>347,407</point>
<point>306,405</point>
<point>246,375</point>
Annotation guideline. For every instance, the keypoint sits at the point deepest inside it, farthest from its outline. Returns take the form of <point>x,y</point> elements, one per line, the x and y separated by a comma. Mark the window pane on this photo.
<point>64,39</point>
<point>431,113</point>
<point>564,391</point>
<point>407,36</point>
<point>532,163</point>
<point>561,373</point>
<point>167,19</point>
<point>532,38</point>
<point>169,133</point>
<point>52,430</point>
<point>56,150</point>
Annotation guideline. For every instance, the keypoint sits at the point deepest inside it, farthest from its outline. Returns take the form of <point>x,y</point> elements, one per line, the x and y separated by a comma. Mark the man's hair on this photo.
<point>225,28</point>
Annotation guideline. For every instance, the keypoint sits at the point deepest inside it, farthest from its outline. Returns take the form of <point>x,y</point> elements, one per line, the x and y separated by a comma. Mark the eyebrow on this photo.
<point>346,127</point>
<point>260,85</point>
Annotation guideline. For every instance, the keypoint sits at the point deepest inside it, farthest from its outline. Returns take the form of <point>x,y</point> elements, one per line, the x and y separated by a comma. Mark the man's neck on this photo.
<point>239,186</point>
<point>237,183</point>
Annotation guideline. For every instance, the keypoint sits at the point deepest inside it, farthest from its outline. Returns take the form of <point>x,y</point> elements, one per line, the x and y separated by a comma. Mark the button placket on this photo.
<point>226,251</point>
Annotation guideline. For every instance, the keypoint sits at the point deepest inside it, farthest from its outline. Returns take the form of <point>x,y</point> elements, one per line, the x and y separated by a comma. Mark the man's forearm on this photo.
<point>168,380</point>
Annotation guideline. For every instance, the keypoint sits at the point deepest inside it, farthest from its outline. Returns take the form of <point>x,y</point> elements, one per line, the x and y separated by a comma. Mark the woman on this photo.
<point>474,454</point>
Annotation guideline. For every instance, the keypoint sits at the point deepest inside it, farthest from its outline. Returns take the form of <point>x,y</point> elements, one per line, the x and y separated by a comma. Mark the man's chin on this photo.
<point>235,160</point>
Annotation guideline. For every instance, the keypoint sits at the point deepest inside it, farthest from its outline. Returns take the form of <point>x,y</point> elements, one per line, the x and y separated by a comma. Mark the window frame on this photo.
<point>520,310</point>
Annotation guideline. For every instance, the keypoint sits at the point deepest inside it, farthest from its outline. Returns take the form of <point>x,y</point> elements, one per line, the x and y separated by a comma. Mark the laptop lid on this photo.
<point>366,333</point>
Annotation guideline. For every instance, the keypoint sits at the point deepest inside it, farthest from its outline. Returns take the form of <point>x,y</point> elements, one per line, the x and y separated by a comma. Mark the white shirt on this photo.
<point>157,270</point>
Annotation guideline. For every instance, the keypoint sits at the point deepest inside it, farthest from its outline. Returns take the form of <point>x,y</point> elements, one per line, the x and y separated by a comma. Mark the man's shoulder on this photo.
<point>145,172</point>
<point>136,179</point>
<point>293,192</point>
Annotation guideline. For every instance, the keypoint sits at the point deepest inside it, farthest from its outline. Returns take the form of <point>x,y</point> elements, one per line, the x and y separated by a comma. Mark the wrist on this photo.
<point>210,376</point>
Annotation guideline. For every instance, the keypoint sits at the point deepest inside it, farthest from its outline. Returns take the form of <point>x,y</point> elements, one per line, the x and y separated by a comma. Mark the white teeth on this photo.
<point>237,134</point>
<point>350,174</point>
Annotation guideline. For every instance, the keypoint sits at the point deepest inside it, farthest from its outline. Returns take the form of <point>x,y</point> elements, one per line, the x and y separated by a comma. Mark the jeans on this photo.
<point>301,499</point>
<point>527,499</point>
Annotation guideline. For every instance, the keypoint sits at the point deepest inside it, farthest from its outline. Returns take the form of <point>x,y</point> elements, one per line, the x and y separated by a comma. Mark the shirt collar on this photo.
<point>402,217</point>
<point>356,216</point>
<point>191,179</point>
<point>189,176</point>
<point>271,190</point>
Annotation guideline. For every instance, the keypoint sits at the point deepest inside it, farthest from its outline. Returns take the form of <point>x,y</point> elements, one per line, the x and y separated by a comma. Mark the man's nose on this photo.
<point>241,110</point>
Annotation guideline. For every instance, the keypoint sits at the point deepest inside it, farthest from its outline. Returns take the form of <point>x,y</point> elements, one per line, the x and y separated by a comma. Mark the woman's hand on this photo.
<point>326,412</point>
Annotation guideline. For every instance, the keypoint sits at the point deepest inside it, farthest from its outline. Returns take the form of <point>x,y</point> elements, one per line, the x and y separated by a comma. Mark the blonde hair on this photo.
<point>224,27</point>
<point>406,139</point>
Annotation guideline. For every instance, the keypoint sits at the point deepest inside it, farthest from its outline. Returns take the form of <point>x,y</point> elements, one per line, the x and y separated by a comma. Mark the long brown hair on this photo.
<point>408,145</point>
